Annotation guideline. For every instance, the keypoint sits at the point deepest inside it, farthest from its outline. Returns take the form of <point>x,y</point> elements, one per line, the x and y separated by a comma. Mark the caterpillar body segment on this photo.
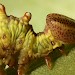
<point>36,46</point>
<point>45,43</point>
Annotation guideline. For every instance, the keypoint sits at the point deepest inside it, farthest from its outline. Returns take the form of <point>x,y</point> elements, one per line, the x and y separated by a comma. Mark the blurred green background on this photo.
<point>64,65</point>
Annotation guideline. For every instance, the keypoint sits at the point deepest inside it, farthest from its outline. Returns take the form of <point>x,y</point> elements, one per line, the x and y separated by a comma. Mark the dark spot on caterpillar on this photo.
<point>53,43</point>
<point>20,41</point>
<point>4,36</point>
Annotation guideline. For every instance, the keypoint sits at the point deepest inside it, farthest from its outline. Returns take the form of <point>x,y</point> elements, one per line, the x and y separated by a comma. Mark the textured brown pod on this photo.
<point>62,27</point>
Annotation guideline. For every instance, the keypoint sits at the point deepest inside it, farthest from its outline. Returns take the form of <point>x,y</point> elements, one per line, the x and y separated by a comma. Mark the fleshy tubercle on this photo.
<point>2,12</point>
<point>26,18</point>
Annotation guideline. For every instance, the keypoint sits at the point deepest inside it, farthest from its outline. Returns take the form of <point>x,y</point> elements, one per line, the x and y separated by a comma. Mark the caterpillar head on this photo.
<point>61,27</point>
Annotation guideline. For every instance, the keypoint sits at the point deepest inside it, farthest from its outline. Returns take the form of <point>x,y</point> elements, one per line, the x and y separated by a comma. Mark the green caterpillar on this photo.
<point>19,44</point>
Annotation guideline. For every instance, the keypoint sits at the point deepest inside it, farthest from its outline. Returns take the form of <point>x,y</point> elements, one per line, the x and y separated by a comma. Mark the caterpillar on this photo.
<point>19,44</point>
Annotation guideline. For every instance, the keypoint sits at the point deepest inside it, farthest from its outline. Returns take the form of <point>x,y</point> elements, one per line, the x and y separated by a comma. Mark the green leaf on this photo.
<point>62,65</point>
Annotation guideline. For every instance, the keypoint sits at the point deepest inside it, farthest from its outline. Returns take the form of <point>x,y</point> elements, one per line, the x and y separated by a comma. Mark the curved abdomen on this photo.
<point>62,27</point>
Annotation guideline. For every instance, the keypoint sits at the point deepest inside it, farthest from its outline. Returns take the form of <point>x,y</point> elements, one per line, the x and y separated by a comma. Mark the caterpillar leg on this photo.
<point>22,69</point>
<point>23,62</point>
<point>62,51</point>
<point>48,62</point>
<point>2,72</point>
<point>23,66</point>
